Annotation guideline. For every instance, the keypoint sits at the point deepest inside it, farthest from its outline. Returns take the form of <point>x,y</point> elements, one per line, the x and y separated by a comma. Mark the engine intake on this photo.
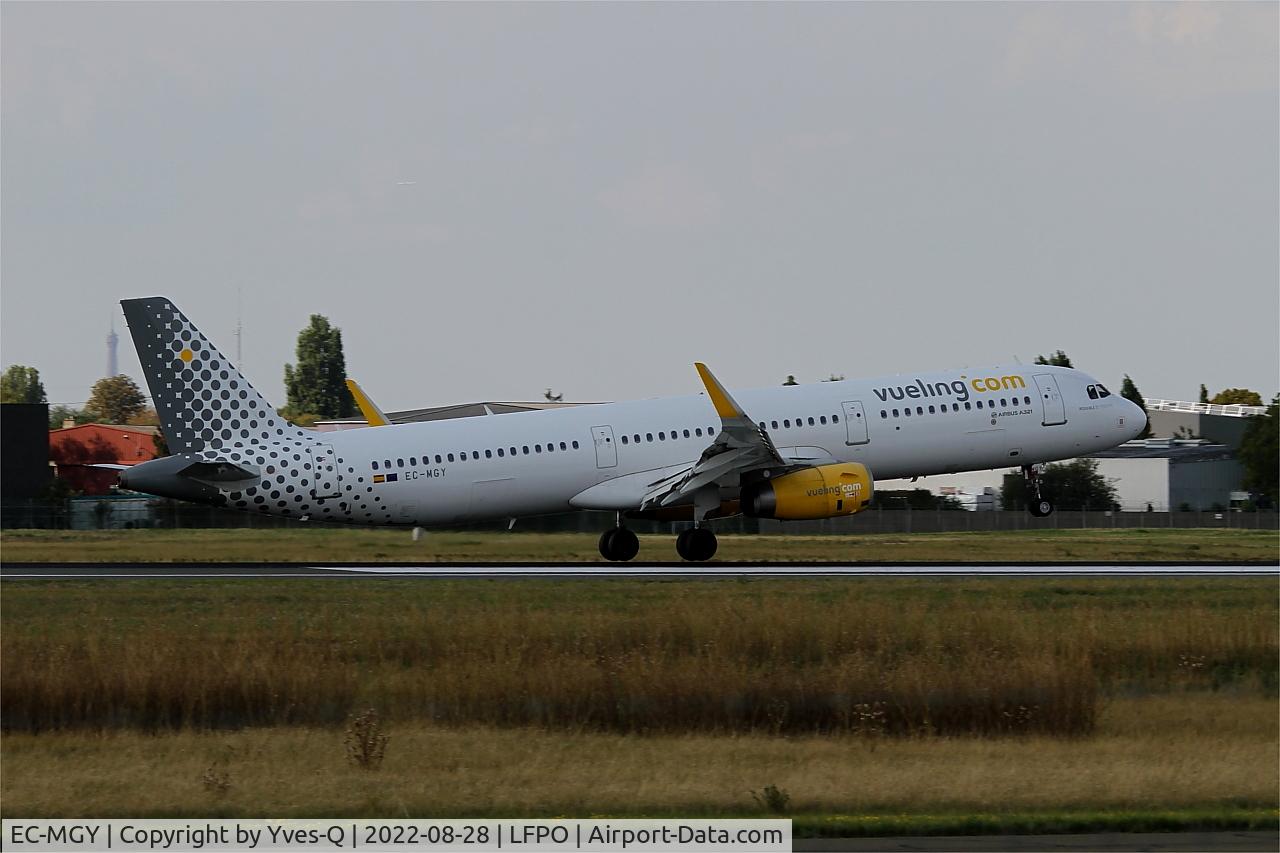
<point>825,491</point>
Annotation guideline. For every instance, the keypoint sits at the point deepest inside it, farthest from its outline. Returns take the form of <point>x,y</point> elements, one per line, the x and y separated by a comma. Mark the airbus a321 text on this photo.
<point>790,452</point>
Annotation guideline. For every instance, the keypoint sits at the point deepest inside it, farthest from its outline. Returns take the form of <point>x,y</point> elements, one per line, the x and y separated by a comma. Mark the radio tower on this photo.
<point>113,363</point>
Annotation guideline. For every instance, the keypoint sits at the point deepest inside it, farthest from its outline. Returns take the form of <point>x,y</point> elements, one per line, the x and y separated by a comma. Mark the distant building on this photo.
<point>1216,423</point>
<point>439,413</point>
<point>1160,473</point>
<point>1171,474</point>
<point>76,449</point>
<point>24,450</point>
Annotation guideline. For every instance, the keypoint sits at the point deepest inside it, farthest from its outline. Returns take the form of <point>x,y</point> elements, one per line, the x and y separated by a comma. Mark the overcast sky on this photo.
<point>491,199</point>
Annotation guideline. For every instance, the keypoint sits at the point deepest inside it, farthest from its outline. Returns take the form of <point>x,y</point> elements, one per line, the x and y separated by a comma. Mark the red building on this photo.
<point>74,450</point>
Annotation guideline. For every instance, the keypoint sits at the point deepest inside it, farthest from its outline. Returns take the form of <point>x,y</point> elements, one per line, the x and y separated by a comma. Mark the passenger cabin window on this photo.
<point>450,457</point>
<point>386,463</point>
<point>787,424</point>
<point>526,450</point>
<point>375,464</point>
<point>624,440</point>
<point>500,453</point>
<point>488,454</point>
<point>413,460</point>
<point>686,433</point>
<point>883,413</point>
<point>648,436</point>
<point>775,424</point>
<point>822,420</point>
<point>810,421</point>
<point>564,446</point>
<point>438,459</point>
<point>575,445</point>
<point>537,448</point>
<point>906,413</point>
<point>662,436</point>
<point>698,431</point>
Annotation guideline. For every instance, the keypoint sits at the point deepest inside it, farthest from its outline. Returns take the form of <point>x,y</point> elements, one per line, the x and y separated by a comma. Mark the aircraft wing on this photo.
<point>372,414</point>
<point>741,446</point>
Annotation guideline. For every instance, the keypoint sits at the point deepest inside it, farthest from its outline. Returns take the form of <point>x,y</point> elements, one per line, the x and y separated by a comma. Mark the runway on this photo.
<point>659,571</point>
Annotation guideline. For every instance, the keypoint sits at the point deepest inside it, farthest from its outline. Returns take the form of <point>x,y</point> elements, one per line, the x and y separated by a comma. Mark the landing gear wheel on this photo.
<point>625,545</point>
<point>1040,506</point>
<point>697,544</point>
<point>618,544</point>
<point>606,542</point>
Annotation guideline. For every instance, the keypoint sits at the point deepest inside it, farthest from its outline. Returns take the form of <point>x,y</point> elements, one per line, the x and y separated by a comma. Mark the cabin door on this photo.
<point>328,482</point>
<point>1055,411</point>
<point>606,450</point>
<point>855,423</point>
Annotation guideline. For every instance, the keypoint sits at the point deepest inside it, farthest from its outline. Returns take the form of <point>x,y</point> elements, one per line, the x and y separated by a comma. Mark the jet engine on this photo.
<point>825,491</point>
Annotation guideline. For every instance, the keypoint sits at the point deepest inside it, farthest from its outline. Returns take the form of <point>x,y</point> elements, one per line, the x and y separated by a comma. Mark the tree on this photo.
<point>1260,452</point>
<point>1237,397</point>
<point>1204,394</point>
<point>1071,485</point>
<point>1058,359</point>
<point>115,399</point>
<point>1130,392</point>
<point>148,417</point>
<point>21,384</point>
<point>791,380</point>
<point>60,414</point>
<point>317,386</point>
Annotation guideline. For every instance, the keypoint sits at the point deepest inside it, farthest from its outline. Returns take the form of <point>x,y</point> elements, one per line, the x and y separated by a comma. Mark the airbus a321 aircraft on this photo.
<point>789,452</point>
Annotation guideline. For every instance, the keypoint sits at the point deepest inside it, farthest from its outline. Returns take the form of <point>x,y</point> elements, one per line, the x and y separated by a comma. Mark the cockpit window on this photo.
<point>1102,390</point>
<point>1093,392</point>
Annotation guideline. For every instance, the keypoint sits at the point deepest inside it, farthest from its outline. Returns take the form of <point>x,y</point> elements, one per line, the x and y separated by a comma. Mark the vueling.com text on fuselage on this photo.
<point>957,388</point>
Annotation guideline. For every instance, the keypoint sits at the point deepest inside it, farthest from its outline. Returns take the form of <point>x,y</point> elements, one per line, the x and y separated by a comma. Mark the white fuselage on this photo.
<point>500,466</point>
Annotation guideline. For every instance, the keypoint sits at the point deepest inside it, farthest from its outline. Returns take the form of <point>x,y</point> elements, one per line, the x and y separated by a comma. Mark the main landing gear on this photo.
<point>1039,505</point>
<point>618,544</point>
<point>697,544</point>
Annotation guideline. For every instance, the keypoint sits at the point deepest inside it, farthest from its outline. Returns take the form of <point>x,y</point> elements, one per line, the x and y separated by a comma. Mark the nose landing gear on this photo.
<point>1039,504</point>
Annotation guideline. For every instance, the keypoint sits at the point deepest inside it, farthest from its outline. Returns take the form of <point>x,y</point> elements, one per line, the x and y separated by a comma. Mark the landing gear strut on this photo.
<point>698,544</point>
<point>618,544</point>
<point>1039,505</point>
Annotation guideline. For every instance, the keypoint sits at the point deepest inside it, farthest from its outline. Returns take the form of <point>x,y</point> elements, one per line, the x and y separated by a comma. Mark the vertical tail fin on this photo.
<point>202,400</point>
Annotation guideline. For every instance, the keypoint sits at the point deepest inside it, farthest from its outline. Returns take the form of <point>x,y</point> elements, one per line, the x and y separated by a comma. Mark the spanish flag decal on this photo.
<point>378,478</point>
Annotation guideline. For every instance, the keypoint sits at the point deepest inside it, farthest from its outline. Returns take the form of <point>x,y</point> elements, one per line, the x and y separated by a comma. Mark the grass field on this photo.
<point>328,544</point>
<point>1185,759</point>
<point>879,705</point>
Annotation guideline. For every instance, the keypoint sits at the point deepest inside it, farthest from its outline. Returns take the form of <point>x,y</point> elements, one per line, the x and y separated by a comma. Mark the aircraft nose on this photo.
<point>1136,419</point>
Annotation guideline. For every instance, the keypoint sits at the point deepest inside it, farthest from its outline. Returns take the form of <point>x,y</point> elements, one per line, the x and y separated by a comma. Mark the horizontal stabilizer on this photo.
<point>218,472</point>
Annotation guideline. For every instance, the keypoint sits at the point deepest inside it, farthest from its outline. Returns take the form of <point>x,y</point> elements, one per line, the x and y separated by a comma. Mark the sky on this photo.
<point>490,200</point>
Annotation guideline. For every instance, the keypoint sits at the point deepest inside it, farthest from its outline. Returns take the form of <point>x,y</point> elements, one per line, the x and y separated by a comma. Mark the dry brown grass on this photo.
<point>1166,752</point>
<point>328,544</point>
<point>899,657</point>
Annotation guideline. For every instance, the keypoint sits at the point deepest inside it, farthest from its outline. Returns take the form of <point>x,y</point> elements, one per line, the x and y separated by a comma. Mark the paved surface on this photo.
<point>15,571</point>
<point>1106,841</point>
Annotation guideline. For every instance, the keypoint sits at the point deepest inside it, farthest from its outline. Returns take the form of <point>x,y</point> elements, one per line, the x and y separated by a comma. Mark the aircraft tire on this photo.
<point>624,545</point>
<point>606,543</point>
<point>697,544</point>
<point>1045,507</point>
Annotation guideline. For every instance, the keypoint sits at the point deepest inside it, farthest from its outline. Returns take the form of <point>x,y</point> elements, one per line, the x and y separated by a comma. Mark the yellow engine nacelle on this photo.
<point>826,491</point>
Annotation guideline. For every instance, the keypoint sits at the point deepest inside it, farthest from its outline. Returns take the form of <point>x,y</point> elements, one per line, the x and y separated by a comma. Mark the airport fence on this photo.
<point>124,513</point>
